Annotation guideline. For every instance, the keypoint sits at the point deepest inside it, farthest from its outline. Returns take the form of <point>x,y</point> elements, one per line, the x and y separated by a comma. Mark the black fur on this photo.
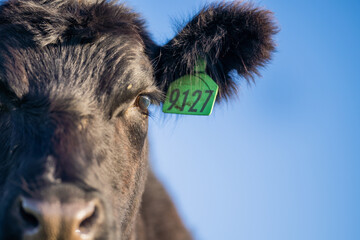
<point>229,36</point>
<point>52,22</point>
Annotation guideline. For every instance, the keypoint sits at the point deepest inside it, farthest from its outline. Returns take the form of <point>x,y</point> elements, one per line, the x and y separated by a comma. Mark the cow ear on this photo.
<point>229,36</point>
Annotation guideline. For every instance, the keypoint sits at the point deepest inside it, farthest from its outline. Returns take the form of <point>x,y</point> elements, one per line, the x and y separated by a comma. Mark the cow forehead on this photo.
<point>54,21</point>
<point>114,63</point>
<point>84,46</point>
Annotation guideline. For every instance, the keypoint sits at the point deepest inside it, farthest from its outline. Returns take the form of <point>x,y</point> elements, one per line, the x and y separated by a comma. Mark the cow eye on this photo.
<point>143,102</point>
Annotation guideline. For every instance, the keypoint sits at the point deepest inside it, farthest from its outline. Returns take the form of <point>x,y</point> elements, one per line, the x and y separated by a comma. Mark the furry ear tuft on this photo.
<point>230,36</point>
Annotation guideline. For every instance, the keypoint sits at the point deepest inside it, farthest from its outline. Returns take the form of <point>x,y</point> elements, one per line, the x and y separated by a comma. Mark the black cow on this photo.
<point>76,80</point>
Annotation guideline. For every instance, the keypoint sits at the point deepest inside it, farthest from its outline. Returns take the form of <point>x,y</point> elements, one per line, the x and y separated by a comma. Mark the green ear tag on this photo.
<point>192,94</point>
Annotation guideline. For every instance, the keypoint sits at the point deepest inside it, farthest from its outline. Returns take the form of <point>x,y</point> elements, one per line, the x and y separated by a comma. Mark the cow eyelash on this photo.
<point>155,97</point>
<point>145,100</point>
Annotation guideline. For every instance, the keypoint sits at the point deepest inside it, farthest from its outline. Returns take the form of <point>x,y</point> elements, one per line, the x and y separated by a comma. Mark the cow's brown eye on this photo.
<point>143,102</point>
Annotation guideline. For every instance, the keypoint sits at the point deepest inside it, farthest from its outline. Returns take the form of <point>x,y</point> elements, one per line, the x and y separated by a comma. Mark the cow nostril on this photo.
<point>88,223</point>
<point>28,217</point>
<point>79,218</point>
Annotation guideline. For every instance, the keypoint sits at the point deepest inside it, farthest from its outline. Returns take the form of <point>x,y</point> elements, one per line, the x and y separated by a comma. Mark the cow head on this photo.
<point>76,79</point>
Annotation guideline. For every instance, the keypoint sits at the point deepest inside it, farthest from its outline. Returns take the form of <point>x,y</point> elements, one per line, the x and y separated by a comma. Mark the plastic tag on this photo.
<point>192,94</point>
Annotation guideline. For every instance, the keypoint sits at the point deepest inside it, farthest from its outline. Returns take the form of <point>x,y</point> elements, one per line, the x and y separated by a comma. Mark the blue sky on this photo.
<point>282,160</point>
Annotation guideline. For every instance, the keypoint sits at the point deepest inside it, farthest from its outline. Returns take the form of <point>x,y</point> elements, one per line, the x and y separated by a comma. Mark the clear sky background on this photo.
<point>282,160</point>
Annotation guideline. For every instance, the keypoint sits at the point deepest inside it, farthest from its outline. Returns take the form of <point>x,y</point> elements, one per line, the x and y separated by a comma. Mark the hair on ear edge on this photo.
<point>229,36</point>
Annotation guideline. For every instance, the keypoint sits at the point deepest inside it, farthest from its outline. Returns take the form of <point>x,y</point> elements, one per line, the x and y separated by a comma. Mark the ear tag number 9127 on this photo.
<point>192,94</point>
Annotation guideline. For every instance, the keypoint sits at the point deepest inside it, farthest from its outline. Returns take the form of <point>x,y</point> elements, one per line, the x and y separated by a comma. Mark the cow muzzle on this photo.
<point>53,219</point>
